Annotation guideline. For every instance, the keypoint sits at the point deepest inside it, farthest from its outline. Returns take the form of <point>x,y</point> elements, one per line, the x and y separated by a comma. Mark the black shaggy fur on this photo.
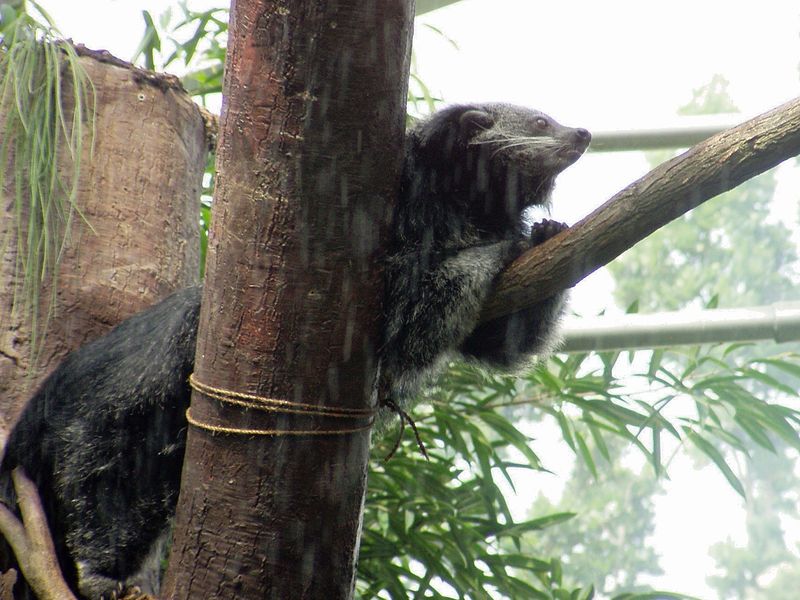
<point>103,438</point>
<point>470,174</point>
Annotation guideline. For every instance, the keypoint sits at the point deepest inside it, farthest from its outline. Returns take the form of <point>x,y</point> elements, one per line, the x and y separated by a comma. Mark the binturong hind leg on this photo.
<point>509,341</point>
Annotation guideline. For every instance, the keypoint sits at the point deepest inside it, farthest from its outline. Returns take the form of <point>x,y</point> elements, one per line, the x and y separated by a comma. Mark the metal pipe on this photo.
<point>779,322</point>
<point>657,138</point>
<point>424,6</point>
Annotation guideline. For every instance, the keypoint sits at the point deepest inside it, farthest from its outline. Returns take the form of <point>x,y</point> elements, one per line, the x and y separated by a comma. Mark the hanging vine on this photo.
<point>46,119</point>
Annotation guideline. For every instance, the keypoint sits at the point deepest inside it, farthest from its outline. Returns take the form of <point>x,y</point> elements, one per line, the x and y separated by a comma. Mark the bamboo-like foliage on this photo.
<point>442,528</point>
<point>42,137</point>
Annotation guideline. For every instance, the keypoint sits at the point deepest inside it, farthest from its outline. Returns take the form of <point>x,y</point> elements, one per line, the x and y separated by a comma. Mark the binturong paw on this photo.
<point>133,593</point>
<point>545,229</point>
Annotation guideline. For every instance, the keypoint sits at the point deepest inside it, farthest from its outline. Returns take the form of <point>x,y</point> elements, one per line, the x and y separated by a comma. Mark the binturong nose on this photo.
<point>583,135</point>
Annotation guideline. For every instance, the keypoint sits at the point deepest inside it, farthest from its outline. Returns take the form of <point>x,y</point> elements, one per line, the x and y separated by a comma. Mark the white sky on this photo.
<point>616,64</point>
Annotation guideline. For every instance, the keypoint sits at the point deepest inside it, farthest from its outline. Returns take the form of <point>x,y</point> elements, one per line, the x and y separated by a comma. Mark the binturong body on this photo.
<point>104,436</point>
<point>103,439</point>
<point>471,172</point>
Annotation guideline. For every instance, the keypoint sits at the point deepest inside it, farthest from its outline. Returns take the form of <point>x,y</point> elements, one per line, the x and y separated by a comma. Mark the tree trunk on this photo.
<point>139,192</point>
<point>308,162</point>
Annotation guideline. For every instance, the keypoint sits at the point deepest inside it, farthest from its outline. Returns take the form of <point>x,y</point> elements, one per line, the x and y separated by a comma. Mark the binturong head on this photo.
<point>495,160</point>
<point>522,144</point>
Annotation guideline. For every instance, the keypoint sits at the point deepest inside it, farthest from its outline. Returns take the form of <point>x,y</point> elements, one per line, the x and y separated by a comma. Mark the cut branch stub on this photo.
<point>716,165</point>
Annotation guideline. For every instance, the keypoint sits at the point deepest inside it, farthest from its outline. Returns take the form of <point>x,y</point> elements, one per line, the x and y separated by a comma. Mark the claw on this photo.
<point>546,229</point>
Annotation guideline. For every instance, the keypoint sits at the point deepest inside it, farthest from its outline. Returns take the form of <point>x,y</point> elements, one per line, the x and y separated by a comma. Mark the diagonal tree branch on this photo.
<point>716,165</point>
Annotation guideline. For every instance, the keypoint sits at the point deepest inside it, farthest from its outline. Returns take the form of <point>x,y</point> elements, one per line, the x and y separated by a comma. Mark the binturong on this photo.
<point>471,172</point>
<point>104,436</point>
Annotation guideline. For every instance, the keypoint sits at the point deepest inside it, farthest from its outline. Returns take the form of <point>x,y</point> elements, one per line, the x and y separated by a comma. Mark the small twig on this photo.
<point>538,400</point>
<point>404,418</point>
<point>7,581</point>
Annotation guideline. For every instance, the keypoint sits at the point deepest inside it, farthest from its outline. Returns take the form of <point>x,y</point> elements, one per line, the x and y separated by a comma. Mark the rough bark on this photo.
<point>308,161</point>
<point>714,166</point>
<point>139,190</point>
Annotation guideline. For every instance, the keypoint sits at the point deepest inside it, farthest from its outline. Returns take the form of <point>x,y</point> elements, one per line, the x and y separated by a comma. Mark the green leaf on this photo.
<point>516,529</point>
<point>586,453</point>
<point>790,367</point>
<point>597,437</point>
<point>150,43</point>
<point>656,456</point>
<point>768,381</point>
<point>755,432</point>
<point>711,452</point>
<point>654,596</point>
<point>566,429</point>
<point>655,361</point>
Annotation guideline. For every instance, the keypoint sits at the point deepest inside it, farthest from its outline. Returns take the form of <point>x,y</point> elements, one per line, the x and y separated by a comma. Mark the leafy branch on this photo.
<point>447,522</point>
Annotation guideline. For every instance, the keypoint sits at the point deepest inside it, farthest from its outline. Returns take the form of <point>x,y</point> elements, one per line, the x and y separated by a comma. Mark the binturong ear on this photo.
<point>472,121</point>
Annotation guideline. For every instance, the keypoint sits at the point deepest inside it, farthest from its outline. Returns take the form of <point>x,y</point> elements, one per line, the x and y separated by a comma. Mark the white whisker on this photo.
<point>507,142</point>
<point>516,142</point>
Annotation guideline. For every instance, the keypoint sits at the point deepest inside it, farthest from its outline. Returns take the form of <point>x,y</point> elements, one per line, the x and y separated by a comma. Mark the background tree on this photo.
<point>729,247</point>
<point>606,544</point>
<point>729,250</point>
<point>761,568</point>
